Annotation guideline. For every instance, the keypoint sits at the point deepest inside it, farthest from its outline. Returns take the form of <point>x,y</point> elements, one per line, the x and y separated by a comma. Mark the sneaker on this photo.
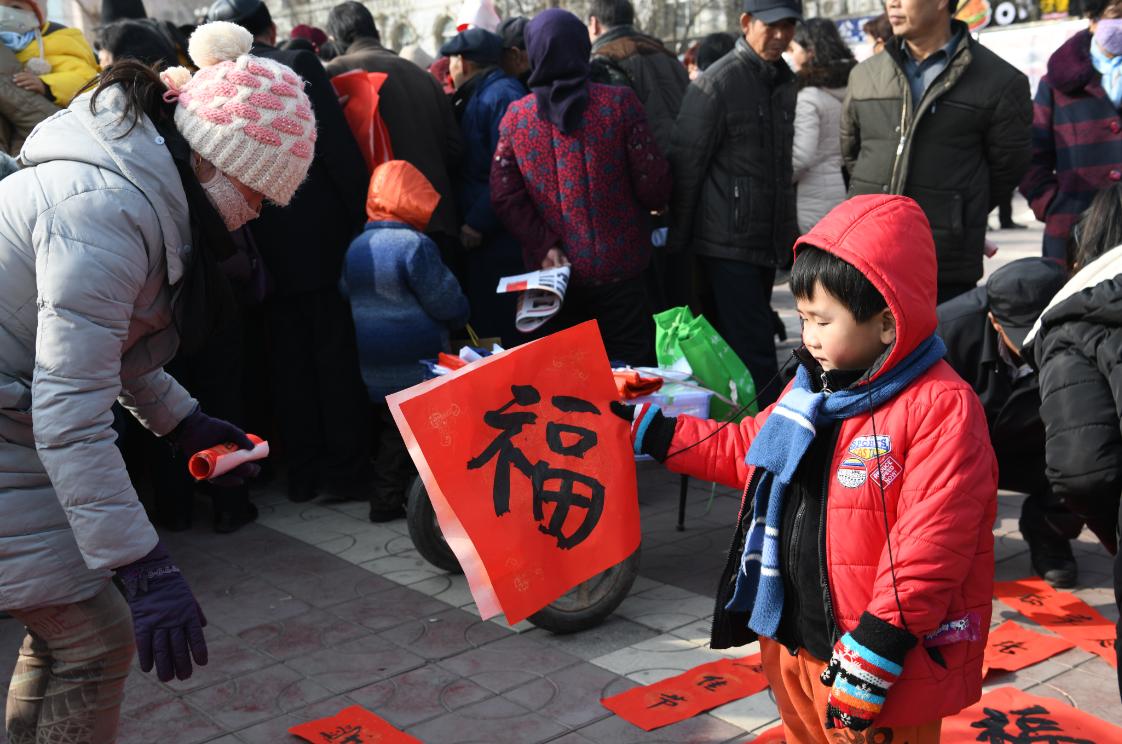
<point>1053,561</point>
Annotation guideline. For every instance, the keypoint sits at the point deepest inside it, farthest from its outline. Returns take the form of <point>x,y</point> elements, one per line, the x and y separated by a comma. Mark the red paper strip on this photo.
<point>773,735</point>
<point>353,725</point>
<point>530,473</point>
<point>1009,715</point>
<point>1064,613</point>
<point>690,693</point>
<point>1012,646</point>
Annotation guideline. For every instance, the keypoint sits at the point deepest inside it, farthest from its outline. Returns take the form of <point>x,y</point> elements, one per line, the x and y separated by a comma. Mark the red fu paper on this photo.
<point>353,725</point>
<point>1009,715</point>
<point>685,696</point>
<point>530,473</point>
<point>1061,612</point>
<point>1012,646</point>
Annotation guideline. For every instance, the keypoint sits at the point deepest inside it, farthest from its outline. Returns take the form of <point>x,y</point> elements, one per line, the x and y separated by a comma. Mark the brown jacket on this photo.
<point>423,130</point>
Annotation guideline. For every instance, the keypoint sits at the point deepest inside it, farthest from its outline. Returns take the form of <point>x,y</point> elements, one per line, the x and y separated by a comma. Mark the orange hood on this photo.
<point>888,239</point>
<point>400,193</point>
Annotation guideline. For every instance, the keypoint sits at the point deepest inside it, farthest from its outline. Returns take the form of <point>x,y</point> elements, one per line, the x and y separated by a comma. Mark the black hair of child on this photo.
<point>838,277</point>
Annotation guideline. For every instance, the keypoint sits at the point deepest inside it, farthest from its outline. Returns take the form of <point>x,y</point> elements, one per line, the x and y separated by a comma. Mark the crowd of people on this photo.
<point>211,230</point>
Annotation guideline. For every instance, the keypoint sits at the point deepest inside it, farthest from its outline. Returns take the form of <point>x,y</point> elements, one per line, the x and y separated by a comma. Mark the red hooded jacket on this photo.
<point>939,473</point>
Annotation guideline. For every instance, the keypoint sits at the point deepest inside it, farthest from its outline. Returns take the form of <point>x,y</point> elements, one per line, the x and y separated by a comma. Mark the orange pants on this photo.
<point>801,697</point>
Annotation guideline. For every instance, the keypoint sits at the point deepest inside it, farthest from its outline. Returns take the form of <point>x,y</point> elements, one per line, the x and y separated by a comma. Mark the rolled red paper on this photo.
<point>222,458</point>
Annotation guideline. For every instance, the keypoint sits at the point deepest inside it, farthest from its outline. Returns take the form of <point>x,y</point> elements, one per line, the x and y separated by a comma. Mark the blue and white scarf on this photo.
<point>776,452</point>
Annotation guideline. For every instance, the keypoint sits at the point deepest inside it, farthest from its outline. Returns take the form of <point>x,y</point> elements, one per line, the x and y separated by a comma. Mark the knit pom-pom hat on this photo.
<point>247,115</point>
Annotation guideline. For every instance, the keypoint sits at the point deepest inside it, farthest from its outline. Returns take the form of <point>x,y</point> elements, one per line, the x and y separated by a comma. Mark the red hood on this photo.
<point>888,238</point>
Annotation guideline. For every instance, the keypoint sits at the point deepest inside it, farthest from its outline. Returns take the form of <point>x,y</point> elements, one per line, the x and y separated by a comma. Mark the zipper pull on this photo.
<point>826,383</point>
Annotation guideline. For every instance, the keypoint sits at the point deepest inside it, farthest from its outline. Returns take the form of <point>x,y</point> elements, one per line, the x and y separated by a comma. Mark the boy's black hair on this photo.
<point>838,277</point>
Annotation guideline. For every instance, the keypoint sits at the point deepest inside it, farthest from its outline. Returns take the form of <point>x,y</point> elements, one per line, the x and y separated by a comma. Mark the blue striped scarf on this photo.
<point>776,452</point>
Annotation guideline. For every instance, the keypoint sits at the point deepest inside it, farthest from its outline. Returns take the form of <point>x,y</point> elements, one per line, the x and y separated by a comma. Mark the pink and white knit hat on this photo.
<point>247,115</point>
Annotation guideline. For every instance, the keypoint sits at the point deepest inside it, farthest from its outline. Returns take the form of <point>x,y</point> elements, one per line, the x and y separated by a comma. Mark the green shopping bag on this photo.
<point>690,344</point>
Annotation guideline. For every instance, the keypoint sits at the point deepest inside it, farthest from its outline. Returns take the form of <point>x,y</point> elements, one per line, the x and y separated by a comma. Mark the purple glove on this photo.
<point>198,432</point>
<point>167,620</point>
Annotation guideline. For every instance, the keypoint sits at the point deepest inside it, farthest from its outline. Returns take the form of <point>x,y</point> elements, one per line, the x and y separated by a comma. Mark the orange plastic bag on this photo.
<point>361,112</point>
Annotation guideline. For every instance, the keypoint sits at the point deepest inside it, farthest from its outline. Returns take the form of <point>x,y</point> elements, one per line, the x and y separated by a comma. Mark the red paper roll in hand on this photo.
<point>222,458</point>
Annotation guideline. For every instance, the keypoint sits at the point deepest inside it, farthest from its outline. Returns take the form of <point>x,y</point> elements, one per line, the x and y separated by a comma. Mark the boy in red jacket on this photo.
<point>863,555</point>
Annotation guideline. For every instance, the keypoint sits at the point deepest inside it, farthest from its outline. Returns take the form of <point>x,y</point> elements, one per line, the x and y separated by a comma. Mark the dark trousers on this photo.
<point>492,314</point>
<point>741,297</point>
<point>320,402</point>
<point>393,468</point>
<point>1043,514</point>
<point>623,311</point>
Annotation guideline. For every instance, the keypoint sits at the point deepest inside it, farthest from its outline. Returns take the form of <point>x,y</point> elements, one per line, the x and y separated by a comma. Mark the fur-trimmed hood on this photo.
<point>1070,68</point>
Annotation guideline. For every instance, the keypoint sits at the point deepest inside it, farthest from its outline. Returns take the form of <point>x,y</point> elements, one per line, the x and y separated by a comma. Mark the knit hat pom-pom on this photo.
<point>218,41</point>
<point>175,77</point>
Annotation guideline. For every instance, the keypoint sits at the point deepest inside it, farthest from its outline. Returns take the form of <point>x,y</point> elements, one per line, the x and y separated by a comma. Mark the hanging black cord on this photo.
<point>735,414</point>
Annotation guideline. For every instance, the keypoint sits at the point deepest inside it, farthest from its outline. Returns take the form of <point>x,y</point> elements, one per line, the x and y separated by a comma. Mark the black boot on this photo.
<point>1053,560</point>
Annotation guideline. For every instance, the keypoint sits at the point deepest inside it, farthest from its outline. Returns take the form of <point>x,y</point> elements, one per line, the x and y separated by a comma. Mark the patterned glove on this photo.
<point>166,619</point>
<point>198,431</point>
<point>866,662</point>
<point>651,432</point>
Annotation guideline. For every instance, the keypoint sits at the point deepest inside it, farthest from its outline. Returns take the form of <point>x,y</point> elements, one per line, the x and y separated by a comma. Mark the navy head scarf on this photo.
<point>559,49</point>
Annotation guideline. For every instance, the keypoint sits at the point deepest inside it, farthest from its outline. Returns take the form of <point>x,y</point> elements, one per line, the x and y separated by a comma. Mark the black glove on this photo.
<point>651,432</point>
<point>198,432</point>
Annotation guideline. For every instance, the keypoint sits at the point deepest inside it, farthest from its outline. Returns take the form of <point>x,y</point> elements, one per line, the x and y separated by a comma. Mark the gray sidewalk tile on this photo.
<point>445,634</point>
<point>315,630</point>
<point>571,696</point>
<point>257,696</point>
<point>509,662</point>
<point>275,729</point>
<point>492,721</point>
<point>386,609</point>
<point>418,695</point>
<point>617,632</point>
<point>356,663</point>
<point>1091,687</point>
<point>169,722</point>
<point>228,657</point>
<point>702,729</point>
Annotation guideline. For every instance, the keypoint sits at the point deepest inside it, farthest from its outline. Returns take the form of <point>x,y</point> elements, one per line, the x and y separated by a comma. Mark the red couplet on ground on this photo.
<point>531,475</point>
<point>690,693</point>
<point>1009,715</point>
<point>1061,612</point>
<point>354,725</point>
<point>1011,647</point>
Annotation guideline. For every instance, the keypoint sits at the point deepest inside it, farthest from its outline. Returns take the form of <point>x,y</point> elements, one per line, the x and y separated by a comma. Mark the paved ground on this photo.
<point>314,609</point>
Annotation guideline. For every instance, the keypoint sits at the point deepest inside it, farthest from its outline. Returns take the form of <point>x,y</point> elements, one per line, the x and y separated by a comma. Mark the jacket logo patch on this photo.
<point>869,448</point>
<point>885,471</point>
<point>851,472</point>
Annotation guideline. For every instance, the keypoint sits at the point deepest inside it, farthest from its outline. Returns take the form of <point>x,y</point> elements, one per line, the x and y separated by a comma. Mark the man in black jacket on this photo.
<point>984,330</point>
<point>733,200</point>
<point>320,400</point>
<point>939,118</point>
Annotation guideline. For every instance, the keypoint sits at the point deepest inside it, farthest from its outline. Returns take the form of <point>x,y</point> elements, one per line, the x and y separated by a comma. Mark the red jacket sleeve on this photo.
<point>948,498</point>
<point>712,451</point>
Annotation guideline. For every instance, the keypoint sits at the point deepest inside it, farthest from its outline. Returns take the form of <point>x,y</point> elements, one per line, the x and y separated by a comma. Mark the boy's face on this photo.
<point>834,337</point>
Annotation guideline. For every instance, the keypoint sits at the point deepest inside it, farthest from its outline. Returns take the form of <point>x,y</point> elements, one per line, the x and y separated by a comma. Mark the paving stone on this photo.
<point>168,722</point>
<point>657,658</point>
<point>342,584</point>
<point>703,729</point>
<point>445,634</point>
<point>665,608</point>
<point>275,729</point>
<point>615,633</point>
<point>418,695</point>
<point>258,696</point>
<point>508,662</point>
<point>355,664</point>
<point>228,657</point>
<point>572,695</point>
<point>406,567</point>
<point>313,631</point>
<point>386,609</point>
<point>492,721</point>
<point>751,713</point>
<point>248,604</point>
<point>1092,687</point>
<point>450,588</point>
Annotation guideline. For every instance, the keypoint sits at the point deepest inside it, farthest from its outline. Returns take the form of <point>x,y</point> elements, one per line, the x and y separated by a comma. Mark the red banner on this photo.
<point>1061,612</point>
<point>353,725</point>
<point>1008,716</point>
<point>1011,646</point>
<point>690,693</point>
<point>530,473</point>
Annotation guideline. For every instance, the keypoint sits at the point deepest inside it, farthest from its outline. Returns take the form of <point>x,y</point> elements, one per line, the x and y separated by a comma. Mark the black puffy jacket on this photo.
<point>1078,352</point>
<point>730,155</point>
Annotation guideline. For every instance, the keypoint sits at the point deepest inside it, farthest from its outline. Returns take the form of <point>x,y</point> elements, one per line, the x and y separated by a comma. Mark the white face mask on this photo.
<point>229,202</point>
<point>17,21</point>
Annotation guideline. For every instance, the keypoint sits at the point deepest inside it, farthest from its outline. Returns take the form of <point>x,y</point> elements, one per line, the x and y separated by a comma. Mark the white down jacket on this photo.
<point>93,234</point>
<point>816,155</point>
